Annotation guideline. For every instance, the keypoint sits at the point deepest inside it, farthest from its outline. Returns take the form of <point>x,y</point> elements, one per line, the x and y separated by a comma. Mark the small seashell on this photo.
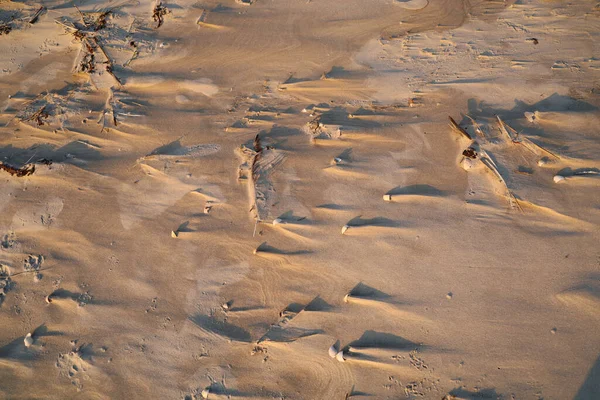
<point>337,160</point>
<point>387,197</point>
<point>468,163</point>
<point>49,299</point>
<point>207,209</point>
<point>174,234</point>
<point>559,178</point>
<point>347,298</point>
<point>345,228</point>
<point>542,161</point>
<point>205,393</point>
<point>28,340</point>
<point>340,356</point>
<point>530,116</point>
<point>333,351</point>
<point>277,221</point>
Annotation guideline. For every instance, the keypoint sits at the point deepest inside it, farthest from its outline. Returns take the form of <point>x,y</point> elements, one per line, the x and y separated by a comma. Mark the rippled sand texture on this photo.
<point>267,199</point>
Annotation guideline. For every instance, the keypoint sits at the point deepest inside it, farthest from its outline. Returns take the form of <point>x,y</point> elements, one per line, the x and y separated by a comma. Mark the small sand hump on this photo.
<point>413,4</point>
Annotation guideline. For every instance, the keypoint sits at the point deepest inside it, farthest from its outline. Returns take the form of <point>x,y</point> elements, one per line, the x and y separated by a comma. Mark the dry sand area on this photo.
<point>300,199</point>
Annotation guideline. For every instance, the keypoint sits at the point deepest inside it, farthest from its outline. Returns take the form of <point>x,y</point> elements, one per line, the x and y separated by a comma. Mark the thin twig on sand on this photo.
<point>457,128</point>
<point>37,14</point>
<point>519,139</point>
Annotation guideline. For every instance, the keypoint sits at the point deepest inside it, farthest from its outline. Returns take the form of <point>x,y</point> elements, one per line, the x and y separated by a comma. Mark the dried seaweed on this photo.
<point>315,126</point>
<point>88,61</point>
<point>27,170</point>
<point>470,153</point>
<point>40,116</point>
<point>158,14</point>
<point>458,129</point>
<point>5,29</point>
<point>100,22</point>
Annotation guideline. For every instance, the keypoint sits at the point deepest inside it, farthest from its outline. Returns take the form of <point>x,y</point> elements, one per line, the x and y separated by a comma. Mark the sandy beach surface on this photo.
<point>300,199</point>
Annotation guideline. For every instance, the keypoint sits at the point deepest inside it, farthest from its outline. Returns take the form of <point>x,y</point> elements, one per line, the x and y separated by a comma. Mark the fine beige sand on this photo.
<point>265,199</point>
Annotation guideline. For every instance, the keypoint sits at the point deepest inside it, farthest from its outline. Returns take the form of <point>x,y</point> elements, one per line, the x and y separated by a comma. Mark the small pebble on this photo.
<point>449,295</point>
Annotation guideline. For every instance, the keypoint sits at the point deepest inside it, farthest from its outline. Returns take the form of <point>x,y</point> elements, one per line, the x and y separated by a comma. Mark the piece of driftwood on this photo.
<point>37,15</point>
<point>519,139</point>
<point>457,128</point>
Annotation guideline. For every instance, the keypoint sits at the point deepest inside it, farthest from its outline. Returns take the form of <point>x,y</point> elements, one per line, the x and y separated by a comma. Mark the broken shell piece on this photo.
<point>333,351</point>
<point>559,178</point>
<point>542,161</point>
<point>259,248</point>
<point>531,117</point>
<point>347,298</point>
<point>387,197</point>
<point>337,160</point>
<point>468,163</point>
<point>340,356</point>
<point>227,306</point>
<point>28,340</point>
<point>345,228</point>
<point>205,393</point>
<point>277,221</point>
<point>207,209</point>
<point>174,234</point>
<point>49,299</point>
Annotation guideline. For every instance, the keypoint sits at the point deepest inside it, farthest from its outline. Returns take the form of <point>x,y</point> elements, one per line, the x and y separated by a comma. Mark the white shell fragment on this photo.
<point>277,221</point>
<point>28,340</point>
<point>333,351</point>
<point>174,234</point>
<point>346,298</point>
<point>387,197</point>
<point>345,228</point>
<point>559,178</point>
<point>340,356</point>
<point>205,393</point>
<point>531,116</point>
<point>468,163</point>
